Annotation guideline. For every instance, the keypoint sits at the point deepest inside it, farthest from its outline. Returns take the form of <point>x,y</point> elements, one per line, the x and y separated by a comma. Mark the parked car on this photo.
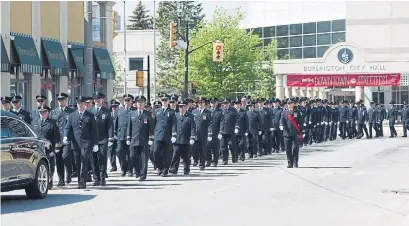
<point>24,161</point>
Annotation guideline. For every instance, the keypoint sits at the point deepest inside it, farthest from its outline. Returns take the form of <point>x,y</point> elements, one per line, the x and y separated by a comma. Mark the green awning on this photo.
<point>25,53</point>
<point>53,56</point>
<point>76,52</point>
<point>103,63</point>
<point>5,63</point>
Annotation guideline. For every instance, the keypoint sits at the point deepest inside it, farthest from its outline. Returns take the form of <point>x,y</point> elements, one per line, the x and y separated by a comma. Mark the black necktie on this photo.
<point>80,115</point>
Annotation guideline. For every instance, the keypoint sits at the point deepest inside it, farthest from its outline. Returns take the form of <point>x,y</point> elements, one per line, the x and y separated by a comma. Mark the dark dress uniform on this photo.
<point>165,123</point>
<point>378,121</point>
<point>64,156</point>
<point>186,130</point>
<point>81,130</point>
<point>48,129</point>
<point>363,118</point>
<point>383,117</point>
<point>392,116</point>
<point>371,118</point>
<point>140,132</point>
<point>310,122</point>
<point>277,133</point>
<point>266,121</point>
<point>405,117</point>
<point>290,134</point>
<point>335,122</point>
<point>240,137</point>
<point>105,133</point>
<point>213,147</point>
<point>203,121</point>
<point>121,127</point>
<point>254,123</point>
<point>23,114</point>
<point>343,121</point>
<point>112,150</point>
<point>327,123</point>
<point>228,125</point>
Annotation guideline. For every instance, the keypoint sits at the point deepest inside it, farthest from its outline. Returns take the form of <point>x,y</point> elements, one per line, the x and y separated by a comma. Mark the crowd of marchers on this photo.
<point>172,132</point>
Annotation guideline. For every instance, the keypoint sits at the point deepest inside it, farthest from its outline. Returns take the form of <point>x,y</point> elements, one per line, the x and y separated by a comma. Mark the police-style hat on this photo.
<point>251,103</point>
<point>164,96</point>
<point>44,108</point>
<point>372,102</point>
<point>268,101</point>
<point>188,100</point>
<point>81,99</point>
<point>148,105</point>
<point>201,99</point>
<point>261,99</point>
<point>213,100</point>
<point>61,96</point>
<point>114,103</point>
<point>182,103</point>
<point>16,99</point>
<point>89,99</point>
<point>174,98</point>
<point>98,95</point>
<point>41,97</point>
<point>6,100</point>
<point>237,101</point>
<point>157,103</point>
<point>290,101</point>
<point>276,100</point>
<point>140,98</point>
<point>128,96</point>
<point>226,100</point>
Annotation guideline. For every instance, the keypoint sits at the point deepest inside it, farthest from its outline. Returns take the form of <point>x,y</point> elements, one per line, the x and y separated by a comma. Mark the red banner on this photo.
<point>303,80</point>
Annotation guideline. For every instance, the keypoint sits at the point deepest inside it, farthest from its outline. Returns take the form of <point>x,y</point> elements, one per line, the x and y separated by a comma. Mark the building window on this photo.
<point>310,40</point>
<point>266,41</point>
<point>282,30</point>
<point>296,41</point>
<point>282,54</point>
<point>296,53</point>
<point>324,39</point>
<point>310,28</point>
<point>296,29</point>
<point>310,52</point>
<point>282,42</point>
<point>98,24</point>
<point>324,26</point>
<point>338,25</point>
<point>338,37</point>
<point>257,31</point>
<point>136,64</point>
<point>321,50</point>
<point>269,31</point>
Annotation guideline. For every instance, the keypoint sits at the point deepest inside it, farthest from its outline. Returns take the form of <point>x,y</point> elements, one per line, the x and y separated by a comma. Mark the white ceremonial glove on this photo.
<point>338,123</point>
<point>51,154</point>
<point>57,150</point>
<point>304,124</point>
<point>326,123</point>
<point>95,148</point>
<point>191,142</point>
<point>347,121</point>
<point>150,143</point>
<point>110,143</point>
<point>281,127</point>
<point>259,132</point>
<point>209,139</point>
<point>246,134</point>
<point>65,140</point>
<point>115,137</point>
<point>128,142</point>
<point>356,122</point>
<point>219,136</point>
<point>309,122</point>
<point>271,129</point>
<point>173,139</point>
<point>236,131</point>
<point>330,122</point>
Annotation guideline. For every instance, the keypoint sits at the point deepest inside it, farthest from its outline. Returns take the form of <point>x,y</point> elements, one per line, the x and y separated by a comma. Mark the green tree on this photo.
<point>243,57</point>
<point>118,82</point>
<point>140,20</point>
<point>167,57</point>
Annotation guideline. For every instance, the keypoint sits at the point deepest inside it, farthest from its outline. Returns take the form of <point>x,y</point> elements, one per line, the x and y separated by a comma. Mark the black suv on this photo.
<point>24,159</point>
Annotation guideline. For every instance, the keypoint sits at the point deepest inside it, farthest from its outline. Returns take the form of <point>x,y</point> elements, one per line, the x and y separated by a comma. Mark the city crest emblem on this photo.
<point>345,55</point>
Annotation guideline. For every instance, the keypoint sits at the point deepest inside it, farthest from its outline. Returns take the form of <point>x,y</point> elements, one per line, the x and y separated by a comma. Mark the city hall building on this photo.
<point>42,49</point>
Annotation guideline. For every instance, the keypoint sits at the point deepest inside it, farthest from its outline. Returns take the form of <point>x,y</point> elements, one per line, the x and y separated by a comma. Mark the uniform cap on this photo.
<point>140,98</point>
<point>44,108</point>
<point>157,103</point>
<point>89,99</point>
<point>114,103</point>
<point>182,103</point>
<point>126,96</point>
<point>61,96</point>
<point>16,98</point>
<point>6,99</point>
<point>261,99</point>
<point>98,95</point>
<point>148,105</point>
<point>201,99</point>
<point>81,99</point>
<point>372,102</point>
<point>226,100</point>
<point>41,97</point>
<point>213,100</point>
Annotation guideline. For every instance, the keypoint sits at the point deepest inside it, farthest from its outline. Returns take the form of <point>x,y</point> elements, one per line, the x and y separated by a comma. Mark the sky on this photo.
<point>259,13</point>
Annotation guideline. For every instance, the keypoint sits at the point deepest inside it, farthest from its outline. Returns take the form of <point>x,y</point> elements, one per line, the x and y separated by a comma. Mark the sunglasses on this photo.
<point>127,100</point>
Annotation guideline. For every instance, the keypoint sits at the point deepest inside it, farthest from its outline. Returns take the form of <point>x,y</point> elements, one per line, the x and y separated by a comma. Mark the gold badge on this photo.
<point>295,114</point>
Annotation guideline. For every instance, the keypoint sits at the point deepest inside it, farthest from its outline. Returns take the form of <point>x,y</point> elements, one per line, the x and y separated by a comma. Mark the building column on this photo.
<point>34,80</point>
<point>62,81</point>
<point>321,93</point>
<point>297,92</point>
<point>303,92</point>
<point>359,93</point>
<point>5,33</point>
<point>279,87</point>
<point>109,84</point>
<point>288,92</point>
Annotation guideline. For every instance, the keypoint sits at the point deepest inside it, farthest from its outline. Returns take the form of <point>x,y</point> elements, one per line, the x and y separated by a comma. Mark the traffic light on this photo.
<point>194,87</point>
<point>173,34</point>
<point>139,79</point>
<point>116,23</point>
<point>218,51</point>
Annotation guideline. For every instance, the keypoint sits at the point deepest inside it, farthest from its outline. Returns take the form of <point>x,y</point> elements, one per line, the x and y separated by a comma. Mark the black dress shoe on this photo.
<point>103,182</point>
<point>137,175</point>
<point>165,173</point>
<point>123,174</point>
<point>186,173</point>
<point>159,172</point>
<point>195,163</point>
<point>105,175</point>
<point>207,164</point>
<point>224,162</point>
<point>82,186</point>
<point>113,169</point>
<point>74,174</point>
<point>68,181</point>
<point>296,165</point>
<point>202,168</point>
<point>97,183</point>
<point>89,178</point>
<point>142,178</point>
<point>130,174</point>
<point>404,136</point>
<point>173,171</point>
<point>61,183</point>
<point>215,164</point>
<point>290,166</point>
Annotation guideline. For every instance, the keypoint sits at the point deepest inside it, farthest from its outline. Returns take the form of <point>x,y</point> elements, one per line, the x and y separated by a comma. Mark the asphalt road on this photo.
<point>352,182</point>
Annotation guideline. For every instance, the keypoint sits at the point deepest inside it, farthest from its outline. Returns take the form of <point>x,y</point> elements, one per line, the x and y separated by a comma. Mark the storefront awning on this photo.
<point>76,52</point>
<point>25,53</point>
<point>5,63</point>
<point>103,63</point>
<point>53,56</point>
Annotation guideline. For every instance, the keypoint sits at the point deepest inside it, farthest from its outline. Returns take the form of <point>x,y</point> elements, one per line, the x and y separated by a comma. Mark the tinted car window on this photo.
<point>18,129</point>
<point>4,132</point>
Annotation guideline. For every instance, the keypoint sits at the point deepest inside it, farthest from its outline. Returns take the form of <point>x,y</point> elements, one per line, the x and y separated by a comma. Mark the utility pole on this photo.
<point>186,88</point>
<point>154,50</point>
<point>148,86</point>
<point>125,75</point>
<point>88,60</point>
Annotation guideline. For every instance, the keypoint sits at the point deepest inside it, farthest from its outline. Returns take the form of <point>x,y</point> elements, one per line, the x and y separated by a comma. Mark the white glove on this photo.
<point>209,139</point>
<point>236,131</point>
<point>110,143</point>
<point>326,123</point>
<point>330,122</point>
<point>128,142</point>
<point>219,136</point>
<point>51,154</point>
<point>191,142</point>
<point>281,127</point>
<point>309,122</point>
<point>259,132</point>
<point>173,139</point>
<point>271,129</point>
<point>305,124</point>
<point>115,137</point>
<point>65,140</point>
<point>95,148</point>
<point>338,123</point>
<point>246,134</point>
<point>356,122</point>
<point>150,143</point>
<point>57,150</point>
<point>347,121</point>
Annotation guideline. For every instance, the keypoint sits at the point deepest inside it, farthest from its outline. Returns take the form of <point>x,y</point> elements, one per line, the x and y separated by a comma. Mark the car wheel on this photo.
<point>39,188</point>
